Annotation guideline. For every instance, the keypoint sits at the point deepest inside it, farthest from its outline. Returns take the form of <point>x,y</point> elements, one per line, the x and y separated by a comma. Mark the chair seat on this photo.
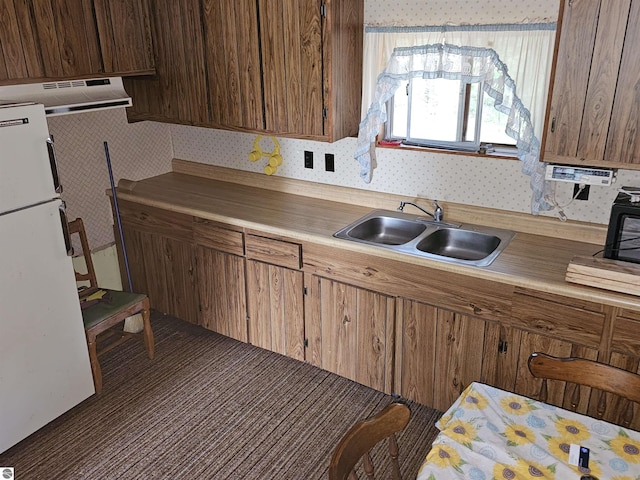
<point>113,303</point>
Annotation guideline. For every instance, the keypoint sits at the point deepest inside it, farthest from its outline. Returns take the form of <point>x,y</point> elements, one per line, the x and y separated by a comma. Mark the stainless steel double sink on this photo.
<point>465,244</point>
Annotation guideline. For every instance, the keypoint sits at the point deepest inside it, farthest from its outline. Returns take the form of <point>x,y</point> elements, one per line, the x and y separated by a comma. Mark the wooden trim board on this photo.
<point>623,277</point>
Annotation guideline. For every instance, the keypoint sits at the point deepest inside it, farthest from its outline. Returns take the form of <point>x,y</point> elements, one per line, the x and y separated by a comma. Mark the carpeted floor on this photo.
<point>208,407</point>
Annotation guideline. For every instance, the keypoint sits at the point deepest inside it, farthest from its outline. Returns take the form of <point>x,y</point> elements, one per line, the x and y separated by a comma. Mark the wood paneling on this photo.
<point>625,337</point>
<point>459,355</point>
<point>161,258</point>
<point>232,56</point>
<point>342,34</point>
<point>221,286</point>
<point>578,321</point>
<point>178,92</point>
<point>13,64</point>
<point>615,405</point>
<point>500,358</point>
<point>593,103</point>
<point>353,333</point>
<point>277,252</point>
<point>156,220</point>
<point>212,235</point>
<point>276,308</point>
<point>125,35</point>
<point>623,142</point>
<point>291,48</point>
<point>416,351</point>
<point>472,296</point>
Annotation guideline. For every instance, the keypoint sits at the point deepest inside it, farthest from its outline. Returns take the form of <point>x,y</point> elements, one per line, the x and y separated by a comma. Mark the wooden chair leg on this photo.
<point>148,333</point>
<point>95,364</point>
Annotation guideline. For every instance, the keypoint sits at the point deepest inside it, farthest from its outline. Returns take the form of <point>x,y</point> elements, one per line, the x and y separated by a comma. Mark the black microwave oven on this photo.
<point>623,234</point>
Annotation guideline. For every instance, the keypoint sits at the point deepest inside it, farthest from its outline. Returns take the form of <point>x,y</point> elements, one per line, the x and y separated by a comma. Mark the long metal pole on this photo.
<point>117,210</point>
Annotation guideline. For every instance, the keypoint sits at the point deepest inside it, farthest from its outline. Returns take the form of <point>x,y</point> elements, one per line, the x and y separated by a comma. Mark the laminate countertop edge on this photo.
<point>524,263</point>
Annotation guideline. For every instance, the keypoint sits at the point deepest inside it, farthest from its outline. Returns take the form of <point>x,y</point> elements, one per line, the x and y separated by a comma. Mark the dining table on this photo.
<point>492,434</point>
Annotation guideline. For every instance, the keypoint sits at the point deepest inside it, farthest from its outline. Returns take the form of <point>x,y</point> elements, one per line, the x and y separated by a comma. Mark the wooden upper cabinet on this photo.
<point>48,39</point>
<point>178,92</point>
<point>125,35</point>
<point>593,107</point>
<point>285,68</point>
<point>232,56</point>
<point>291,46</point>
<point>56,40</point>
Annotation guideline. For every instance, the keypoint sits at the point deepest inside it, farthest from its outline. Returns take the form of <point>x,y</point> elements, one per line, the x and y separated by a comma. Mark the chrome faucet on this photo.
<point>437,215</point>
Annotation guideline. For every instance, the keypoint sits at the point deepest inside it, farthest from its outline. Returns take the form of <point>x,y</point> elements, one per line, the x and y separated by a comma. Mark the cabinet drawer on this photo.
<point>215,236</point>
<point>177,226</point>
<point>576,321</point>
<point>626,333</point>
<point>276,252</point>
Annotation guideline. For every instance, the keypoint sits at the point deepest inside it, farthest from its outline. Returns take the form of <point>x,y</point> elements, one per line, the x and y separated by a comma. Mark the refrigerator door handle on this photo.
<point>53,161</point>
<point>65,229</point>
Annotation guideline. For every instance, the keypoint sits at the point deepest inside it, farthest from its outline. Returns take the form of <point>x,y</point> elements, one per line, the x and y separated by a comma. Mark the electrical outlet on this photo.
<point>308,159</point>
<point>584,194</point>
<point>329,164</point>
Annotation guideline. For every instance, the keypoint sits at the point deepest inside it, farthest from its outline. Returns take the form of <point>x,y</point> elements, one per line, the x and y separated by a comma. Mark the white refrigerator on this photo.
<point>44,361</point>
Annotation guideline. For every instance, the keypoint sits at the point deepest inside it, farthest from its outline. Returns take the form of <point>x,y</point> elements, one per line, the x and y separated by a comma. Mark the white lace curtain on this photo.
<point>528,47</point>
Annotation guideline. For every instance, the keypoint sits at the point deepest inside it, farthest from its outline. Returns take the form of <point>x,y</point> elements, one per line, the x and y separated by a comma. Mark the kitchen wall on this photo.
<point>137,150</point>
<point>488,182</point>
<point>145,149</point>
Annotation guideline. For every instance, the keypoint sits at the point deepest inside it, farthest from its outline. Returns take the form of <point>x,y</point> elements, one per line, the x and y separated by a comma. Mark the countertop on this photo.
<point>530,261</point>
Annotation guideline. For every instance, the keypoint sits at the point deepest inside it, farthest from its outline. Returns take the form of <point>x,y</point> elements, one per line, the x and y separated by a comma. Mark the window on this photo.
<point>444,113</point>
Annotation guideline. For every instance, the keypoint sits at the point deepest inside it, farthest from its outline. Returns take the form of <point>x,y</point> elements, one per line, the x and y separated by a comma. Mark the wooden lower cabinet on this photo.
<point>350,331</point>
<point>439,352</point>
<point>221,285</point>
<point>161,259</point>
<point>556,326</point>
<point>275,301</point>
<point>559,393</point>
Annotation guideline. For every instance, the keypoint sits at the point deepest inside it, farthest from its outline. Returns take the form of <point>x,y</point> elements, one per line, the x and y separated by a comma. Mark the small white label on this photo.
<point>574,454</point>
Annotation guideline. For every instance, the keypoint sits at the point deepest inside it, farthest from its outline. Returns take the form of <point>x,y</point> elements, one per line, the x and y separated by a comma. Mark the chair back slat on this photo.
<point>77,227</point>
<point>580,371</point>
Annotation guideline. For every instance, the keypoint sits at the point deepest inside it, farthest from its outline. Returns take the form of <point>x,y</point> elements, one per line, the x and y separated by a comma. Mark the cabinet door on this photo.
<point>14,54</point>
<point>161,258</point>
<point>276,308</point>
<point>233,63</point>
<point>221,283</point>
<point>178,92</point>
<point>66,37</point>
<point>557,326</point>
<point>586,78</point>
<point>125,35</point>
<point>350,331</point>
<point>559,393</point>
<point>616,405</point>
<point>439,353</point>
<point>623,142</point>
<point>291,47</point>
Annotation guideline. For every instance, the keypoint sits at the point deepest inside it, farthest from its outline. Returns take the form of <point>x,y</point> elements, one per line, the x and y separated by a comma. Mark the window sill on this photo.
<point>500,155</point>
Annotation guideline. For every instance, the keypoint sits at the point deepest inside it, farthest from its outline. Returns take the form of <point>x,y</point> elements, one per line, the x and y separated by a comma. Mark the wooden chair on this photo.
<point>590,374</point>
<point>115,307</point>
<point>363,436</point>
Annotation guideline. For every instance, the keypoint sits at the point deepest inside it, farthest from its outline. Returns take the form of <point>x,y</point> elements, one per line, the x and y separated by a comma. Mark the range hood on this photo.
<point>72,96</point>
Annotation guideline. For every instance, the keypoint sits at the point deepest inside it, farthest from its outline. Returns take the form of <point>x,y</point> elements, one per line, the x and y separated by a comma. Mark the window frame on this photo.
<point>458,145</point>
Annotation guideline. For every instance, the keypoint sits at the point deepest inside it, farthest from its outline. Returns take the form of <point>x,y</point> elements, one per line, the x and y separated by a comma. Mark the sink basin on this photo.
<point>386,230</point>
<point>467,244</point>
<point>460,244</point>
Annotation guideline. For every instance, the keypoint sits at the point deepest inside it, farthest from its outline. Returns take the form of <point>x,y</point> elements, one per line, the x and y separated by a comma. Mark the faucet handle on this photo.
<point>438,213</point>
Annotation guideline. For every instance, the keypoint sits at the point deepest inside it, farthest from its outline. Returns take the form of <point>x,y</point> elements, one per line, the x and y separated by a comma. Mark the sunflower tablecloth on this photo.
<point>492,434</point>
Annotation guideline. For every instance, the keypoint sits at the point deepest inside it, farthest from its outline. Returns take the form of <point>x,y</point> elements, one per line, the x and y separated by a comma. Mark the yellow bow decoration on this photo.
<point>275,159</point>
